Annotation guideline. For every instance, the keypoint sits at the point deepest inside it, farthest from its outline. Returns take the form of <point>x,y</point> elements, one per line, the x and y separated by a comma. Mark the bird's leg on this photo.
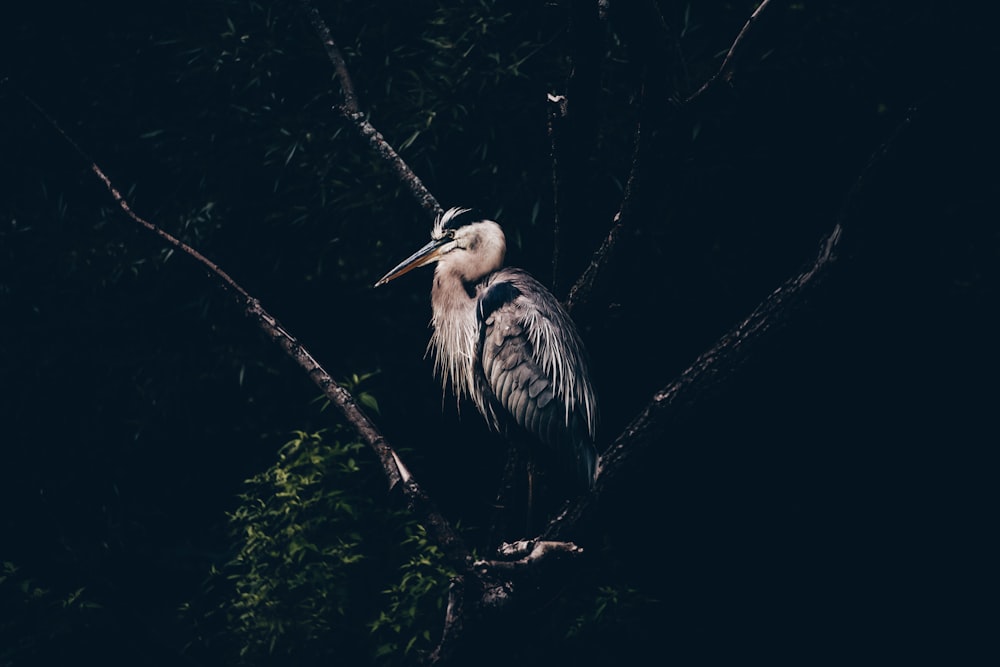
<point>498,524</point>
<point>531,496</point>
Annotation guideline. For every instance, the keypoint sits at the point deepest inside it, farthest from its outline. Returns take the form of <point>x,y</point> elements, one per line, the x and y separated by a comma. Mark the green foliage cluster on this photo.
<point>33,615</point>
<point>324,566</point>
<point>612,605</point>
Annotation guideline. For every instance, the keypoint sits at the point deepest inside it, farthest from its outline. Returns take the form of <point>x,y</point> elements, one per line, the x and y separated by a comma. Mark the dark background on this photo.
<point>831,500</point>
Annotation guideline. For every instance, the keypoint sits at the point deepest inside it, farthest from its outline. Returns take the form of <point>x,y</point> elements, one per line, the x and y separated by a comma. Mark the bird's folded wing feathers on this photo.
<point>533,367</point>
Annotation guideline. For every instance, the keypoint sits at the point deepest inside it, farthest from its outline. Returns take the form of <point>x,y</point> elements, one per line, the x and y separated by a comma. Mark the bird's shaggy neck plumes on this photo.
<point>476,251</point>
<point>453,341</point>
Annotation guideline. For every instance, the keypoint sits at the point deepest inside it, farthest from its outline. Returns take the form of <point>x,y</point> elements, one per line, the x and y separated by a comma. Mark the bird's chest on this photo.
<point>455,321</point>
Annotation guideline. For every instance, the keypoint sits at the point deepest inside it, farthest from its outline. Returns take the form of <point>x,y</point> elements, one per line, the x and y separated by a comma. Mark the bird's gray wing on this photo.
<point>530,371</point>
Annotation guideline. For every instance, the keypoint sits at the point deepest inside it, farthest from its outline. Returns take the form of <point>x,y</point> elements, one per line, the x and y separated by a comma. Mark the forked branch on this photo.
<point>603,255</point>
<point>396,473</point>
<point>671,405</point>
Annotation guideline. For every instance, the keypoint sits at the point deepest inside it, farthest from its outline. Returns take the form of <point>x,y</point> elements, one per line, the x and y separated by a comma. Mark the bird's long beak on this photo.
<point>429,253</point>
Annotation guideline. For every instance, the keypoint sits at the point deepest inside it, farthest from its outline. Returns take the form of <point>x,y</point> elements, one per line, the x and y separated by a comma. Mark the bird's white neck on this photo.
<point>454,321</point>
<point>474,252</point>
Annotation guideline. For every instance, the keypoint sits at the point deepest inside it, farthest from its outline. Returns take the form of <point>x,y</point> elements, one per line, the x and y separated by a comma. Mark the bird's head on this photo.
<point>469,250</point>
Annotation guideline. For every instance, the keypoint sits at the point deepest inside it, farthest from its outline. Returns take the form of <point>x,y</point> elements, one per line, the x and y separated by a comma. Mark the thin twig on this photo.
<point>557,110</point>
<point>727,69</point>
<point>423,196</point>
<point>670,36</point>
<point>333,53</point>
<point>584,285</point>
<point>350,110</point>
<point>602,256</point>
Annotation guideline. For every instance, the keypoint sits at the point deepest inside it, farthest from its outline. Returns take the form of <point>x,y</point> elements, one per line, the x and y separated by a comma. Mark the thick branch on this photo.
<point>525,554</point>
<point>454,622</point>
<point>671,404</point>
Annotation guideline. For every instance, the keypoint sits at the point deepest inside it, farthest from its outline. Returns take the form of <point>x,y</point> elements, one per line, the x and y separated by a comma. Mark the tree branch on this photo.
<point>525,554</point>
<point>389,155</point>
<point>728,67</point>
<point>351,111</point>
<point>580,291</point>
<point>557,109</point>
<point>573,132</point>
<point>582,288</point>
<point>671,405</point>
<point>396,474</point>
<point>454,623</point>
<point>333,53</point>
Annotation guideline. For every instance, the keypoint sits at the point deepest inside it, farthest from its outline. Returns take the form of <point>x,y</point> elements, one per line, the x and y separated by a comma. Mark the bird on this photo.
<point>500,338</point>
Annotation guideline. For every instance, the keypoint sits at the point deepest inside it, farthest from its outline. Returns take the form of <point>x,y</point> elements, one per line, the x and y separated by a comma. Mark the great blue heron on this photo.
<point>502,339</point>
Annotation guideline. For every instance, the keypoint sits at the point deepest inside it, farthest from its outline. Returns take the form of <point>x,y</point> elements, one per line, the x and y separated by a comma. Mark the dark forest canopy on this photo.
<point>175,491</point>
